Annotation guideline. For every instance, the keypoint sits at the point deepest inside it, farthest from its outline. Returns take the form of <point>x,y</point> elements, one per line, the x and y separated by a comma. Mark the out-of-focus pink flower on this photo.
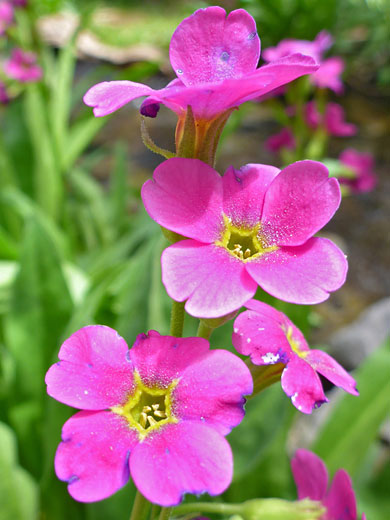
<point>269,337</point>
<point>158,412</point>
<point>333,119</point>
<point>4,98</point>
<point>252,227</point>
<point>283,139</point>
<point>19,3</point>
<point>311,478</point>
<point>22,66</point>
<point>215,59</point>
<point>6,16</point>
<point>329,73</point>
<point>363,166</point>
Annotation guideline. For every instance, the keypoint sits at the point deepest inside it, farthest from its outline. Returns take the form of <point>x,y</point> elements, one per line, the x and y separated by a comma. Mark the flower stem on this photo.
<point>140,507</point>
<point>177,319</point>
<point>204,331</point>
<point>208,507</point>
<point>165,513</point>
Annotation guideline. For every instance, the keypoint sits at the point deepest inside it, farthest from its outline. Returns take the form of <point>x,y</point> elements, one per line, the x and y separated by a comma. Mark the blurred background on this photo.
<point>76,246</point>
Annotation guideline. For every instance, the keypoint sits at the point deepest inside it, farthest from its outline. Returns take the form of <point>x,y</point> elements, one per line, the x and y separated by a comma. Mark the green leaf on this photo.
<point>18,491</point>
<point>353,426</point>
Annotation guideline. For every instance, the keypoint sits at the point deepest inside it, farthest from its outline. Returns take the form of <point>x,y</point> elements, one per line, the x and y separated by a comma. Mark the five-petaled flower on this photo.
<point>253,226</point>
<point>329,73</point>
<point>215,59</point>
<point>159,412</point>
<point>311,478</point>
<point>270,338</point>
<point>22,66</point>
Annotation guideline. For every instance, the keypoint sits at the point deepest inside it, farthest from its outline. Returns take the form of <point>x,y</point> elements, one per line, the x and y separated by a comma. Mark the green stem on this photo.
<point>204,331</point>
<point>165,513</point>
<point>140,507</point>
<point>208,507</point>
<point>177,319</point>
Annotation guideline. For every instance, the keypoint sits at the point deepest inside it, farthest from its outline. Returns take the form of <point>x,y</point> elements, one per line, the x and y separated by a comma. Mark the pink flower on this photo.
<point>158,412</point>
<point>6,16</point>
<point>23,67</point>
<point>215,59</point>
<point>363,166</point>
<point>330,70</point>
<point>283,139</point>
<point>253,226</point>
<point>4,98</point>
<point>269,337</point>
<point>311,478</point>
<point>19,3</point>
<point>334,119</point>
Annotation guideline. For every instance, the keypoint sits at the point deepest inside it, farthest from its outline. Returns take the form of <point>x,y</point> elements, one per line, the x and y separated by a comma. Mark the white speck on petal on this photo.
<point>270,357</point>
<point>261,328</point>
<point>294,397</point>
<point>235,329</point>
<point>86,392</point>
<point>248,340</point>
<point>300,408</point>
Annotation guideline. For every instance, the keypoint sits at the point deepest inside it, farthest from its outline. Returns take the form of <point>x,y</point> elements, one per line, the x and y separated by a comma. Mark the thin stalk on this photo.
<point>140,507</point>
<point>204,331</point>
<point>165,513</point>
<point>177,319</point>
<point>208,507</point>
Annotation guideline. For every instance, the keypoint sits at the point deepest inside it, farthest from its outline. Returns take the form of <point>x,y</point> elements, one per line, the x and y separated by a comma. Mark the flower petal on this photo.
<point>187,457</point>
<point>329,368</point>
<point>244,191</point>
<point>310,475</point>
<point>108,96</point>
<point>209,47</point>
<point>299,202</point>
<point>213,282</point>
<point>304,274</point>
<point>185,196</point>
<point>302,384</point>
<point>212,390</point>
<point>341,501</point>
<point>329,74</point>
<point>161,359</point>
<point>94,372</point>
<point>93,455</point>
<point>261,333</point>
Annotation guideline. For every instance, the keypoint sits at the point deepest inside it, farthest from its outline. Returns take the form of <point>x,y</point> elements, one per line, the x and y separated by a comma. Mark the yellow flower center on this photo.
<point>148,408</point>
<point>294,344</point>
<point>245,243</point>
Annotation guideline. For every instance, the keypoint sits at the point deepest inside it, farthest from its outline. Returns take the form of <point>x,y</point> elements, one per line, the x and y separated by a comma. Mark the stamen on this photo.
<point>151,420</point>
<point>159,413</point>
<point>247,253</point>
<point>143,419</point>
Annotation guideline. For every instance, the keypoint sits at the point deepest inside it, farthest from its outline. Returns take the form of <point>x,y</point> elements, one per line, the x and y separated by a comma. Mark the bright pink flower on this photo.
<point>6,16</point>
<point>334,119</point>
<point>311,478</point>
<point>269,337</point>
<point>158,412</point>
<point>329,73</point>
<point>283,139</point>
<point>253,226</point>
<point>363,166</point>
<point>4,98</point>
<point>215,59</point>
<point>23,67</point>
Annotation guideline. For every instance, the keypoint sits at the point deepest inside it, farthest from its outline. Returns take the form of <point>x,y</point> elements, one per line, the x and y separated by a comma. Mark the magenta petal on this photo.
<point>161,359</point>
<point>108,96</point>
<point>302,384</point>
<point>188,457</point>
<point>299,202</point>
<point>185,196</point>
<point>310,475</point>
<point>304,274</point>
<point>220,381</point>
<point>208,46</point>
<point>341,501</point>
<point>329,74</point>
<point>244,191</point>
<point>260,334</point>
<point>213,282</point>
<point>93,372</point>
<point>93,455</point>
<point>329,368</point>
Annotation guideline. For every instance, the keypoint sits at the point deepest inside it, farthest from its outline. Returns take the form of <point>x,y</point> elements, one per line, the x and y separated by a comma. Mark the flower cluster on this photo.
<point>159,412</point>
